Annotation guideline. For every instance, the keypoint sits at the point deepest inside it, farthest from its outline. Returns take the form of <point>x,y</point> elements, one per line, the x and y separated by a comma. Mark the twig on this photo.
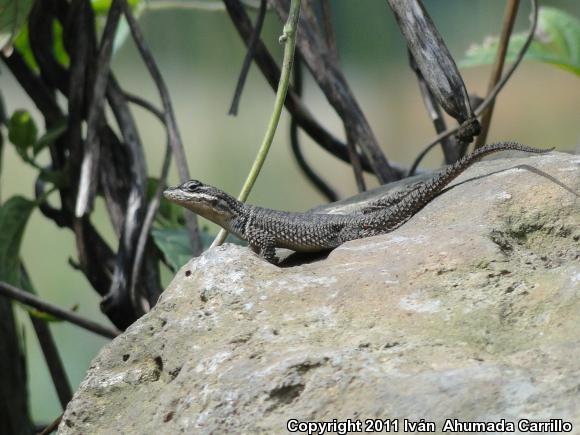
<point>350,128</point>
<point>87,184</point>
<point>138,303</point>
<point>117,302</point>
<point>351,145</point>
<point>349,125</point>
<point>293,104</point>
<point>41,96</point>
<point>28,298</point>
<point>40,35</point>
<point>434,60</point>
<point>434,111</point>
<point>329,33</point>
<point>332,82</point>
<point>251,49</point>
<point>491,96</point>
<point>82,54</point>
<point>135,99</point>
<point>52,426</point>
<point>53,360</point>
<point>174,136</point>
<point>314,178</point>
<point>289,39</point>
<point>49,349</point>
<point>95,256</point>
<point>93,250</point>
<point>510,13</point>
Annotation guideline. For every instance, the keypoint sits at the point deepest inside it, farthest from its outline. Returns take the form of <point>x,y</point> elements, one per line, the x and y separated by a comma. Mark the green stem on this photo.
<point>289,38</point>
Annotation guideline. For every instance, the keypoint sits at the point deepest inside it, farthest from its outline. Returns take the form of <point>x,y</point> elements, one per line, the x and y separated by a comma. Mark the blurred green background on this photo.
<point>200,55</point>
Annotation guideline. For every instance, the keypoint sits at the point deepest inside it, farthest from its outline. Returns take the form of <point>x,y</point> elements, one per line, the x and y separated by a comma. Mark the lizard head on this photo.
<point>205,200</point>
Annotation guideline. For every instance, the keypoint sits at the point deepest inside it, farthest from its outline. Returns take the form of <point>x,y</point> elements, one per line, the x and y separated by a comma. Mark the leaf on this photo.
<point>175,245</point>
<point>22,133</point>
<point>22,130</point>
<point>22,43</point>
<point>13,15</point>
<point>49,137</point>
<point>14,215</point>
<point>556,41</point>
<point>58,49</point>
<point>102,6</point>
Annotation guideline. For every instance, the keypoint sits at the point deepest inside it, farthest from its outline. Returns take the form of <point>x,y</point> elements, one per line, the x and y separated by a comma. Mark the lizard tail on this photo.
<point>419,197</point>
<point>432,188</point>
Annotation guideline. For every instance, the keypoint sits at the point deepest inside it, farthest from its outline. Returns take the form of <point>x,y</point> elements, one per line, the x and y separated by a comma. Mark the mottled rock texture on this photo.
<point>471,310</point>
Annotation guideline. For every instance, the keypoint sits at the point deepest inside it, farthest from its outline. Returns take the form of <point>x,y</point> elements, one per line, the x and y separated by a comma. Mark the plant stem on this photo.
<point>491,96</point>
<point>289,39</point>
<point>27,298</point>
<point>250,53</point>
<point>173,134</point>
<point>511,11</point>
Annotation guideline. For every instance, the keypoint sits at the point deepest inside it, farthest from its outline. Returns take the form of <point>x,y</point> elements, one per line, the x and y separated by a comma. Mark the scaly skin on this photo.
<point>266,229</point>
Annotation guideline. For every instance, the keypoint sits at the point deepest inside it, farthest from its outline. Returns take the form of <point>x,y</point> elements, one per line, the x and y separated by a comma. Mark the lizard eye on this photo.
<point>191,185</point>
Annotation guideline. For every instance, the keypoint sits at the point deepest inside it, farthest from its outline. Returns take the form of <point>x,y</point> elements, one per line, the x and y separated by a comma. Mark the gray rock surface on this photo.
<point>470,311</point>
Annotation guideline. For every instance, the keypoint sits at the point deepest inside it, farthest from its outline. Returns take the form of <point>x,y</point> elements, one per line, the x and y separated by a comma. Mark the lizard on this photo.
<point>266,229</point>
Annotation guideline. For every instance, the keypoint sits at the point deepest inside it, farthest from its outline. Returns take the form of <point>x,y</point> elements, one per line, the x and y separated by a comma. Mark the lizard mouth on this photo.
<point>198,202</point>
<point>171,193</point>
<point>175,194</point>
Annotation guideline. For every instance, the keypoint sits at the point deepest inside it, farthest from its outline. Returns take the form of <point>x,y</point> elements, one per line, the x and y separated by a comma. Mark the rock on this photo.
<point>468,311</point>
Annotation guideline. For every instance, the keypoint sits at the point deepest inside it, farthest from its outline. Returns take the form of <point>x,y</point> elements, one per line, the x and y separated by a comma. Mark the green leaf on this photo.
<point>22,131</point>
<point>22,43</point>
<point>13,15</point>
<point>14,215</point>
<point>175,245</point>
<point>58,49</point>
<point>103,6</point>
<point>557,41</point>
<point>49,137</point>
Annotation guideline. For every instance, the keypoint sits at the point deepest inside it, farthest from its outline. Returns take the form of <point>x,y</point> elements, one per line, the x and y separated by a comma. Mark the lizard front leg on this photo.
<point>262,244</point>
